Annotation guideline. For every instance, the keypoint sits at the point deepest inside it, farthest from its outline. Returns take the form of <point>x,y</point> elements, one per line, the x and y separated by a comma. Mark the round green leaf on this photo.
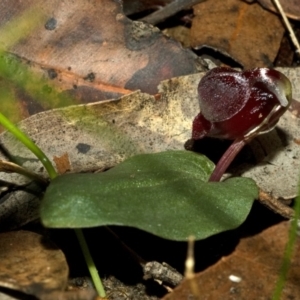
<point>165,193</point>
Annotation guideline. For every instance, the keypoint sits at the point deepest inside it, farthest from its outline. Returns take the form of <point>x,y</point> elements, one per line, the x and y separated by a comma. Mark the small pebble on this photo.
<point>51,24</point>
<point>234,278</point>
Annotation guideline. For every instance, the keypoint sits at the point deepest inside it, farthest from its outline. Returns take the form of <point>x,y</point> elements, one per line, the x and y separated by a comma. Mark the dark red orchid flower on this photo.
<point>239,106</point>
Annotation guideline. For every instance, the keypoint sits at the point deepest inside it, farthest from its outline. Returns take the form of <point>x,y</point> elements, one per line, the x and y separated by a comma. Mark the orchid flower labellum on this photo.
<point>239,106</point>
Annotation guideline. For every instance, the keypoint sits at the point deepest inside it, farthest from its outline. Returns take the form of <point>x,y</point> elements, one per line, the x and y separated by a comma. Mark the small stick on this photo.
<point>189,269</point>
<point>275,205</point>
<point>288,26</point>
<point>190,261</point>
<point>10,167</point>
<point>169,10</point>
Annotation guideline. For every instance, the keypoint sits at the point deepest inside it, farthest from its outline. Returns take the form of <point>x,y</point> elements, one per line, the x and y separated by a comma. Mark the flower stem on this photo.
<point>90,263</point>
<point>22,137</point>
<point>226,159</point>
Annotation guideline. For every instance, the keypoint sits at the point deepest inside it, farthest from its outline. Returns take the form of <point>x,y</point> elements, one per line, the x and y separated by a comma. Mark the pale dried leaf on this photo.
<point>100,135</point>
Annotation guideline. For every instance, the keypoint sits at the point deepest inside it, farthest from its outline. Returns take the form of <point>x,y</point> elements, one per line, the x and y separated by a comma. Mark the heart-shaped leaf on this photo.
<point>164,193</point>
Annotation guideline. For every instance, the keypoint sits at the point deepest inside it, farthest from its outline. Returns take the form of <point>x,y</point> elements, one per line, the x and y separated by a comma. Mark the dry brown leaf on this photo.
<point>235,27</point>
<point>250,272</point>
<point>31,264</point>
<point>90,50</point>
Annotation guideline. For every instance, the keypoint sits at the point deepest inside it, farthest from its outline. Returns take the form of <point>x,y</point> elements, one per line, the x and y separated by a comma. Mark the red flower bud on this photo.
<point>240,105</point>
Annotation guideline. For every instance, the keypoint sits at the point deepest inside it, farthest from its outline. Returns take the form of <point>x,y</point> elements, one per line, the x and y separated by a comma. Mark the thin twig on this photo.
<point>275,205</point>
<point>133,254</point>
<point>288,26</point>
<point>189,268</point>
<point>169,10</point>
<point>9,167</point>
<point>190,259</point>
